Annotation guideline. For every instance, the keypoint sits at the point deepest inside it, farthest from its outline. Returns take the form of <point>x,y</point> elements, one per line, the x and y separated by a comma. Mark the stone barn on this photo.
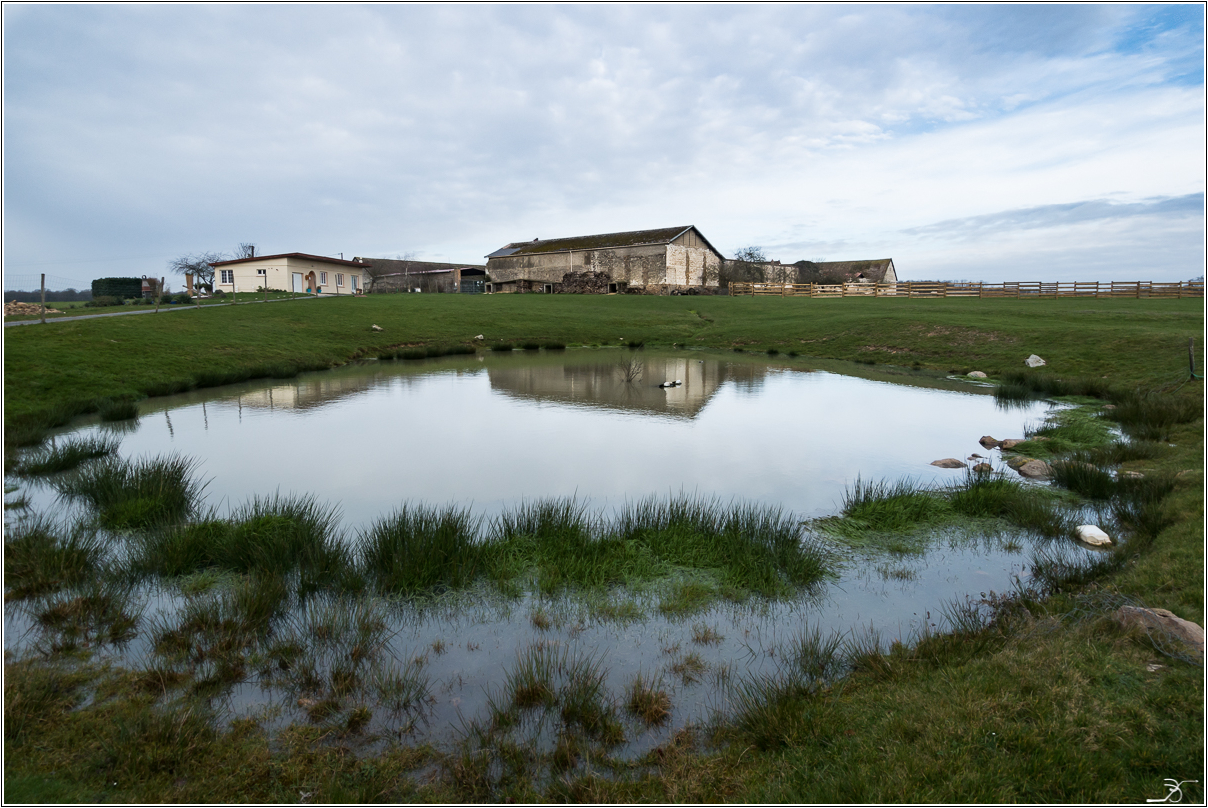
<point>671,260</point>
<point>878,270</point>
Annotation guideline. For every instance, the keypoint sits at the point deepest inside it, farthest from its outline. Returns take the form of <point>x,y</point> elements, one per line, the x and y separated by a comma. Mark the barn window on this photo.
<point>228,276</point>
<point>262,272</point>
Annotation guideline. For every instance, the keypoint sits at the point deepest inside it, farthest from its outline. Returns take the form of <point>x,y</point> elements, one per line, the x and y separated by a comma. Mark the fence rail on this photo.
<point>1016,289</point>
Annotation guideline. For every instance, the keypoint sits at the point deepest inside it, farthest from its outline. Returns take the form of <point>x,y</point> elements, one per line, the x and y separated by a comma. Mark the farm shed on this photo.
<point>664,261</point>
<point>401,275</point>
<point>299,272</point>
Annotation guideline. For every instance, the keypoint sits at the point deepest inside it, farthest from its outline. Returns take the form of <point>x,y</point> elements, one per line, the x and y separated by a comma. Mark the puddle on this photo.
<point>498,430</point>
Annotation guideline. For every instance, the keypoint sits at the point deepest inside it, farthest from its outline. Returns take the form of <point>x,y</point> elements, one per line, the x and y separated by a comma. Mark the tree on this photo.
<point>199,265</point>
<point>245,250</point>
<point>752,253</point>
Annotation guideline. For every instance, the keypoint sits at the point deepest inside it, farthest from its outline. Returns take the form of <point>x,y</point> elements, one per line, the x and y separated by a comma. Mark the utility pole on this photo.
<point>43,297</point>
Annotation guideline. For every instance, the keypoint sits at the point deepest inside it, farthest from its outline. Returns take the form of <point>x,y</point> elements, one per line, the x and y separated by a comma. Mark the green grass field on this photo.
<point>1052,701</point>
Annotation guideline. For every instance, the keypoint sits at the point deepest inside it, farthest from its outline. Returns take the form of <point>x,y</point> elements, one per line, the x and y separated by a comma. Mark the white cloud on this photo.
<point>135,131</point>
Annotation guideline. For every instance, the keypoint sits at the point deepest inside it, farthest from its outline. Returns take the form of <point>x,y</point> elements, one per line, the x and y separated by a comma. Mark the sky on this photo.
<point>967,142</point>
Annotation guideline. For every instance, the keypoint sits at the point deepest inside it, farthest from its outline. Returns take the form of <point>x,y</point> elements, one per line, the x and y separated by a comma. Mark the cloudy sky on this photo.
<point>966,142</point>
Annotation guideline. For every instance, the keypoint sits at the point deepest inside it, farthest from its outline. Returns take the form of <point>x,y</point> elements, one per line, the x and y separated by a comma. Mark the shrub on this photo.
<point>104,300</point>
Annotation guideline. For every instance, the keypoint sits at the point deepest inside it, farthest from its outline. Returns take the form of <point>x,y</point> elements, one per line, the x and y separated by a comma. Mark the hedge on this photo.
<point>118,287</point>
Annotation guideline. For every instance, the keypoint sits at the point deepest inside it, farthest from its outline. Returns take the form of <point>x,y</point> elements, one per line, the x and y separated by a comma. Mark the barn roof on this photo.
<point>630,238</point>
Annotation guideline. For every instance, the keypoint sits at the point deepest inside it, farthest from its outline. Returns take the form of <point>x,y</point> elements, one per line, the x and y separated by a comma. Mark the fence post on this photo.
<point>43,318</point>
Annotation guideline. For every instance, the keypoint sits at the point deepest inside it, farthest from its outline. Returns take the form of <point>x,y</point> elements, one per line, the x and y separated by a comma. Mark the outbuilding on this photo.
<point>298,272</point>
<point>668,260</point>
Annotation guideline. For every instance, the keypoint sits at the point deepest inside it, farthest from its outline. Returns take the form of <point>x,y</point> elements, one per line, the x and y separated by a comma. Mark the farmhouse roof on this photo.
<point>306,256</point>
<point>630,238</point>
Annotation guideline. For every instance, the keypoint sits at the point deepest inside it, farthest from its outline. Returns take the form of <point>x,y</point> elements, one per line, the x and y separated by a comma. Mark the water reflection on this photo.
<point>632,382</point>
<point>492,431</point>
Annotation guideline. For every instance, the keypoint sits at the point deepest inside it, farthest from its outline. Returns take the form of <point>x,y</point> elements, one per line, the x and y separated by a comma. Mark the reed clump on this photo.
<point>137,494</point>
<point>69,454</point>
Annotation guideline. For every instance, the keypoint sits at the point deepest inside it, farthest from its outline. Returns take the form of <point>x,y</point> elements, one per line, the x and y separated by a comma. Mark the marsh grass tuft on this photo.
<point>884,506</point>
<point>647,701</point>
<point>139,493</point>
<point>92,612</point>
<point>1080,475</point>
<point>1151,416</point>
<point>420,547</point>
<point>121,410</point>
<point>41,556</point>
<point>69,454</point>
<point>274,535</point>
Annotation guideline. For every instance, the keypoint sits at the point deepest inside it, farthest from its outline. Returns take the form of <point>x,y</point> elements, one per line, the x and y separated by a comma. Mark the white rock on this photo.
<point>479,336</point>
<point>977,374</point>
<point>377,327</point>
<point>1092,535</point>
<point>1034,361</point>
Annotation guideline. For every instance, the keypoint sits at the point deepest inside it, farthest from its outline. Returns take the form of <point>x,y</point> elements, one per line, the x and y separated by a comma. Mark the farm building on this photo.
<point>299,272</point>
<point>880,270</point>
<point>400,275</point>
<point>664,261</point>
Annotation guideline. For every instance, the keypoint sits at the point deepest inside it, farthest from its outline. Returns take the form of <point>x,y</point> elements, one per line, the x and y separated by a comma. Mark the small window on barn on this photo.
<point>322,278</point>
<point>228,276</point>
<point>262,272</point>
<point>339,279</point>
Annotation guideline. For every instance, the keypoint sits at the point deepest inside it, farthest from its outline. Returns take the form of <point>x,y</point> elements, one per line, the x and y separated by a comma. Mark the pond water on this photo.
<point>493,431</point>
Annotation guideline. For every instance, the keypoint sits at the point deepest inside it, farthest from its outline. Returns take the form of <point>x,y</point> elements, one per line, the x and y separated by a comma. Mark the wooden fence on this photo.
<point>1025,290</point>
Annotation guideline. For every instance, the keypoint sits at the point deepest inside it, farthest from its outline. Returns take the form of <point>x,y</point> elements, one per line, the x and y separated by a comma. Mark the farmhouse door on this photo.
<point>298,287</point>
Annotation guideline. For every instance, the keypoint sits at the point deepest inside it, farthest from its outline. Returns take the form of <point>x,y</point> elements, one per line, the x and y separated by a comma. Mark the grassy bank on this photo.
<point>54,372</point>
<point>1037,698</point>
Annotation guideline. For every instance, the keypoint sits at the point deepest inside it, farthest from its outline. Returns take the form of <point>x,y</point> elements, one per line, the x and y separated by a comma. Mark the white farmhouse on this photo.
<point>299,272</point>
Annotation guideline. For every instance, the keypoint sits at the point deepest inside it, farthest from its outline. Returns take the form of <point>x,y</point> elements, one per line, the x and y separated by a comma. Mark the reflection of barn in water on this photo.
<point>603,384</point>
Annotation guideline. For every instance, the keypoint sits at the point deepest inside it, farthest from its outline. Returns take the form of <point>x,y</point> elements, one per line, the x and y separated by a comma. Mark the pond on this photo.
<point>491,432</point>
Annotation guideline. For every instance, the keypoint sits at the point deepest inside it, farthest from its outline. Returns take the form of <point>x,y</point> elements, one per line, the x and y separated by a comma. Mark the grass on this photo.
<point>1046,701</point>
<point>141,493</point>
<point>68,455</point>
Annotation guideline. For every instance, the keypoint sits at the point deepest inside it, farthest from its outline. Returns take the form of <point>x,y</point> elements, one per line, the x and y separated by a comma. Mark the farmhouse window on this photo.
<point>262,272</point>
<point>228,276</point>
<point>339,279</point>
<point>322,278</point>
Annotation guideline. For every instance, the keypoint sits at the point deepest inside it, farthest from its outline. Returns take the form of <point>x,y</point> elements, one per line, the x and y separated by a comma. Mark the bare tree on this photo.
<point>753,254</point>
<point>245,250</point>
<point>198,265</point>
